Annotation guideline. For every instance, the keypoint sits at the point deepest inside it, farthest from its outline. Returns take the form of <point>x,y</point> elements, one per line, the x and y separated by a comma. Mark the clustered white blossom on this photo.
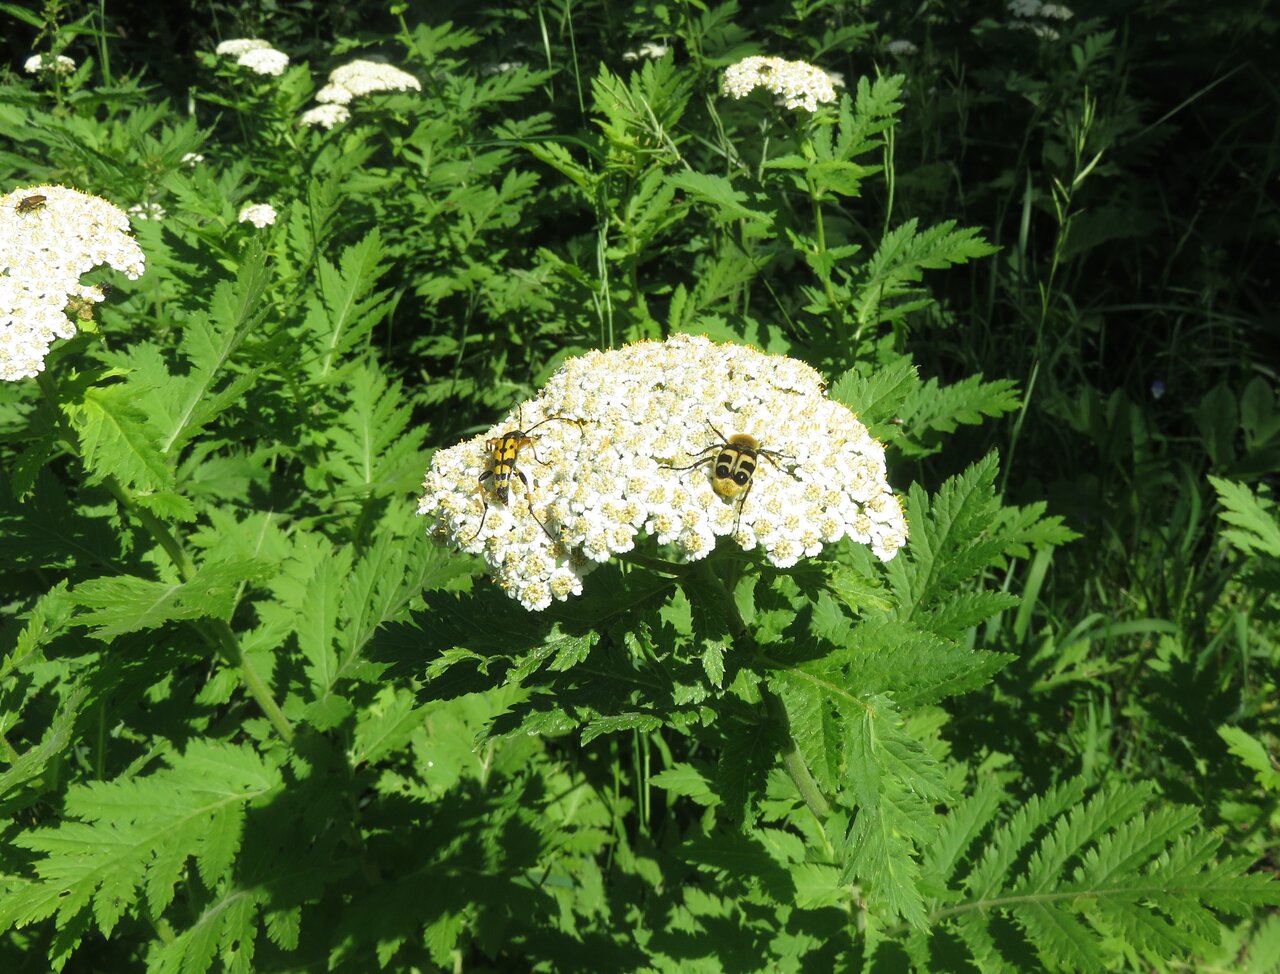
<point>366,77</point>
<point>259,214</point>
<point>901,48</point>
<point>256,55</point>
<point>603,468</point>
<point>351,81</point>
<point>192,158</point>
<point>650,50</point>
<point>46,246</point>
<point>502,67</point>
<point>326,116</point>
<point>48,64</point>
<point>798,83</point>
<point>147,211</point>
<point>1032,14</point>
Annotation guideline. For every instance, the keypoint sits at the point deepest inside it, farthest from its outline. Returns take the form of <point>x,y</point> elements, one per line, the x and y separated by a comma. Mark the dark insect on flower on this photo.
<point>733,464</point>
<point>29,204</point>
<point>503,451</point>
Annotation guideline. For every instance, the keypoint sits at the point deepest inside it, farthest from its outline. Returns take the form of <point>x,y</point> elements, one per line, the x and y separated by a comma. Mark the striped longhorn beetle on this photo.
<point>503,451</point>
<point>733,463</point>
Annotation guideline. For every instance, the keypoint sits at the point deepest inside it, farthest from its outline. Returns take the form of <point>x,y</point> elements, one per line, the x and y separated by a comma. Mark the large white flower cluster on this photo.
<point>48,64</point>
<point>352,81</point>
<point>50,236</point>
<point>366,77</point>
<point>797,83</point>
<point>255,54</point>
<point>603,465</point>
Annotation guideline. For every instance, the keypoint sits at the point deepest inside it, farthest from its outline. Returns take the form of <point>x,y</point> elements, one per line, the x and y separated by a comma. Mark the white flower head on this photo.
<point>901,48</point>
<point>649,50</point>
<point>259,214</point>
<point>503,67</point>
<point>326,116</point>
<point>366,77</point>
<point>48,64</point>
<point>797,83</point>
<point>192,158</point>
<point>266,61</point>
<point>1039,28</point>
<point>334,95</point>
<point>50,236</point>
<point>1056,11</point>
<point>147,211</point>
<point>241,45</point>
<point>631,442</point>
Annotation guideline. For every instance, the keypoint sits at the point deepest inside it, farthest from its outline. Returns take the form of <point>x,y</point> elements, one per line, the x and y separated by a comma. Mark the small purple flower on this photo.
<point>1157,389</point>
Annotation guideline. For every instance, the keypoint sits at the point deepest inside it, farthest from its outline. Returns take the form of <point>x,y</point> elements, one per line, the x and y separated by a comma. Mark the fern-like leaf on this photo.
<point>1088,883</point>
<point>132,837</point>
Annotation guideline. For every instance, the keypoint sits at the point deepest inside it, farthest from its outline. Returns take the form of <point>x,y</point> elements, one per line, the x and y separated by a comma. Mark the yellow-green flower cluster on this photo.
<point>603,468</point>
<point>50,236</point>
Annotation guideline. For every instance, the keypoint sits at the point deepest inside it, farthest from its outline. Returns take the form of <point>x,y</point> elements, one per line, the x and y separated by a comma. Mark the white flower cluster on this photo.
<point>1032,15</point>
<point>256,55</point>
<point>351,81</point>
<point>649,50</point>
<point>49,237</point>
<point>326,116</point>
<point>626,442</point>
<point>901,48</point>
<point>797,83</point>
<point>259,214</point>
<point>48,64</point>
<point>366,77</point>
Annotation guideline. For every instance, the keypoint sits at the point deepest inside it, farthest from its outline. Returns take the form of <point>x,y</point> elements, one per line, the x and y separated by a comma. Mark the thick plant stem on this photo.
<point>792,759</point>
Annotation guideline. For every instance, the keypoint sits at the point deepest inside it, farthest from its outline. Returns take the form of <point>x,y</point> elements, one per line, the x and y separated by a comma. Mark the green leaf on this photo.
<point>1254,526</point>
<point>877,397</point>
<point>728,204</point>
<point>32,763</point>
<point>126,603</point>
<point>1253,754</point>
<point>133,837</point>
<point>117,439</point>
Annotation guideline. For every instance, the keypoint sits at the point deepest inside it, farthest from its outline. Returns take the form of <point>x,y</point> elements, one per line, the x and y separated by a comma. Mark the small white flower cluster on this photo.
<point>48,64</point>
<point>503,67</point>
<point>625,442</point>
<point>649,50</point>
<point>797,83</point>
<point>259,214</point>
<point>901,48</point>
<point>351,81</point>
<point>50,236</point>
<point>326,116</point>
<point>256,55</point>
<point>1032,15</point>
<point>144,212</point>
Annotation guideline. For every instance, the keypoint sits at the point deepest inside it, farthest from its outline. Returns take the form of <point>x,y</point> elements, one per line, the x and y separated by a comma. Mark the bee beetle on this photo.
<point>503,451</point>
<point>733,463</point>
<point>29,204</point>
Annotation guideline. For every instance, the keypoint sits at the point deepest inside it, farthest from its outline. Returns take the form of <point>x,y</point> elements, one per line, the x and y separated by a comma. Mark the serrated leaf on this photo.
<point>728,204</point>
<point>1249,750</point>
<point>118,440</point>
<point>132,836</point>
<point>125,603</point>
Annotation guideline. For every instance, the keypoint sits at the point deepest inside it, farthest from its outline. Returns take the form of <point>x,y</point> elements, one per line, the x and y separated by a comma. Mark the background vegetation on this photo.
<point>250,719</point>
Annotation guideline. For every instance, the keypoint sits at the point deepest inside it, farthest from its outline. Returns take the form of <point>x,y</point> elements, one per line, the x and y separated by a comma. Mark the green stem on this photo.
<point>792,759</point>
